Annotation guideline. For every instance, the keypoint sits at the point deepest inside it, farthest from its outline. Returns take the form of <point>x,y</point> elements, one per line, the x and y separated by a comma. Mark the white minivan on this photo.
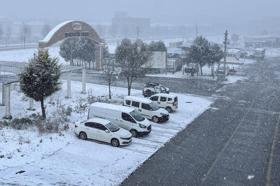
<point>147,108</point>
<point>166,101</point>
<point>102,130</point>
<point>125,117</point>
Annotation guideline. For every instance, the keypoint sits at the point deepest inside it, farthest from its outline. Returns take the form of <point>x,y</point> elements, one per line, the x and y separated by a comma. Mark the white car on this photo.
<point>166,101</point>
<point>147,108</point>
<point>103,130</point>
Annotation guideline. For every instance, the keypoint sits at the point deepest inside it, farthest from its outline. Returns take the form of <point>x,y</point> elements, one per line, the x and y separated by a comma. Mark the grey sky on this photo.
<point>160,11</point>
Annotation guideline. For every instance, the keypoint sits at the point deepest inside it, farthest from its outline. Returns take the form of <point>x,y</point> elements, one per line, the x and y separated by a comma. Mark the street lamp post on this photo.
<point>225,51</point>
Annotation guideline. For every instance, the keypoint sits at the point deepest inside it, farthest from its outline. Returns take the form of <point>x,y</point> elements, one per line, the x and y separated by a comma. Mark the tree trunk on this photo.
<point>110,95</point>
<point>212,70</point>
<point>201,73</point>
<point>129,82</point>
<point>43,109</point>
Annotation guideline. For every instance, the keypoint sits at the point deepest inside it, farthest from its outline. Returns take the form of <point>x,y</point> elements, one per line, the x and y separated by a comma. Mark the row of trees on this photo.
<point>80,51</point>
<point>202,53</point>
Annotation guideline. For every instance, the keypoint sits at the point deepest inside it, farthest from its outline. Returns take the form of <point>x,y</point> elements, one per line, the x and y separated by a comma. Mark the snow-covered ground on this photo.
<point>31,158</point>
<point>234,79</point>
<point>24,55</point>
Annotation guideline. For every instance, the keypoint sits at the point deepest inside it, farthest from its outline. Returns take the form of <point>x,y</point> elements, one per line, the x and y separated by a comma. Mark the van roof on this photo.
<point>98,120</point>
<point>139,99</point>
<point>165,95</point>
<point>113,107</point>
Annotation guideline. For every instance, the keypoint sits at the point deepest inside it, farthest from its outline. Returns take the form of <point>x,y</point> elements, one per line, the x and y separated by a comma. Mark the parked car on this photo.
<point>147,108</point>
<point>154,88</point>
<point>232,71</point>
<point>190,70</point>
<point>125,117</point>
<point>166,101</point>
<point>221,72</point>
<point>103,130</point>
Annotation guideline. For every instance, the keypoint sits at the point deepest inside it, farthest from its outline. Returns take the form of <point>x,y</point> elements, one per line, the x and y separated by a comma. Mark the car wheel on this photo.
<point>134,133</point>
<point>115,142</point>
<point>155,119</point>
<point>169,109</point>
<point>83,135</point>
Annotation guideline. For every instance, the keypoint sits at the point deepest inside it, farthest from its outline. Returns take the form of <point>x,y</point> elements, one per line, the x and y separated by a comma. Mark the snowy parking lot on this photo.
<point>30,158</point>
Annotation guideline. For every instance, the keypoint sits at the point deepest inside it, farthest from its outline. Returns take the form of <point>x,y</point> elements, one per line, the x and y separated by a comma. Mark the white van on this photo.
<point>166,101</point>
<point>147,108</point>
<point>124,117</point>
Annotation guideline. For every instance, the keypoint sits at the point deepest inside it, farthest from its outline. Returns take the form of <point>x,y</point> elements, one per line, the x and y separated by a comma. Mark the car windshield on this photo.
<point>137,116</point>
<point>112,127</point>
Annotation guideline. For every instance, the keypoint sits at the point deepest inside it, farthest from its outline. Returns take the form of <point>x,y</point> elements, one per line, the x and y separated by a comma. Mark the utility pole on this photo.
<point>225,51</point>
<point>196,31</point>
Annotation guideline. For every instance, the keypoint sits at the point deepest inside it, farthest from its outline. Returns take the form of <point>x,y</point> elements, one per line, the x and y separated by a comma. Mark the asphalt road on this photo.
<point>236,142</point>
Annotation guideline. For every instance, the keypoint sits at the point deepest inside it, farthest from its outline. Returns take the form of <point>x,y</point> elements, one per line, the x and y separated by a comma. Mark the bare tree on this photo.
<point>25,33</point>
<point>109,75</point>
<point>131,57</point>
<point>8,33</point>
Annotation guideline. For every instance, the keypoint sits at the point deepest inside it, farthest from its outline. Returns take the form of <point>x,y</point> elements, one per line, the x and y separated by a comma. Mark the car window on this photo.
<point>135,104</point>
<point>112,127</point>
<point>89,124</point>
<point>163,99</point>
<point>127,117</point>
<point>99,126</point>
<point>169,99</point>
<point>154,98</point>
<point>127,102</point>
<point>146,106</point>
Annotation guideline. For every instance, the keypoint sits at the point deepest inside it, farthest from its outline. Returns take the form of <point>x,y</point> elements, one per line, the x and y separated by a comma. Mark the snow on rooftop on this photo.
<point>112,107</point>
<point>98,120</point>
<point>139,99</point>
<point>54,30</point>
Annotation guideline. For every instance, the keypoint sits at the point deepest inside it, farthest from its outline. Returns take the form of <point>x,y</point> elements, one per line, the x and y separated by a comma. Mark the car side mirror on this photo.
<point>107,131</point>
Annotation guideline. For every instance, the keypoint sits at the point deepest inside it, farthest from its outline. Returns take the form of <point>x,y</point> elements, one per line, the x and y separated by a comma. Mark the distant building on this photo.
<point>262,42</point>
<point>157,62</point>
<point>126,26</point>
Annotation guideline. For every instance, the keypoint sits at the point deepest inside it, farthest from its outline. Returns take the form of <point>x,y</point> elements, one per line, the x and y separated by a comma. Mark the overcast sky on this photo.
<point>160,11</point>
